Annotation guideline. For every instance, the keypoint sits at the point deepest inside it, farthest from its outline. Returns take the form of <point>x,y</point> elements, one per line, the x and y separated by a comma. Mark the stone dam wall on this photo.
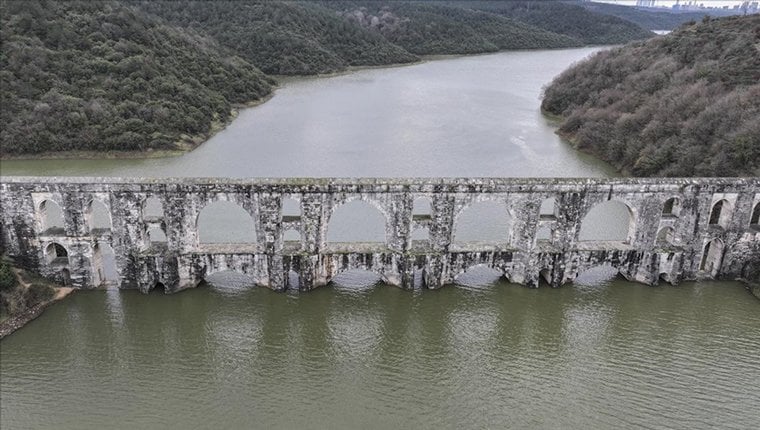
<point>680,229</point>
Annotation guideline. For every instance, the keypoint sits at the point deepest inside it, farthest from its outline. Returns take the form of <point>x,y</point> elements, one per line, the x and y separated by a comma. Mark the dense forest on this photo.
<point>137,75</point>
<point>685,104</point>
<point>102,76</point>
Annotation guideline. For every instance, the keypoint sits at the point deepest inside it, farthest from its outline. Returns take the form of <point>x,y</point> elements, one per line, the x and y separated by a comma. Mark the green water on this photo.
<point>608,354</point>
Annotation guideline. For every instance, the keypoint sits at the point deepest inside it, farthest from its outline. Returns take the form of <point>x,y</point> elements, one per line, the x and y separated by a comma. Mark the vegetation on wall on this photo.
<point>685,104</point>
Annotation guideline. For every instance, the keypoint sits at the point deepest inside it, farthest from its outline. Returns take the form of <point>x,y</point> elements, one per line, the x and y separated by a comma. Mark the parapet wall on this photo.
<point>681,229</point>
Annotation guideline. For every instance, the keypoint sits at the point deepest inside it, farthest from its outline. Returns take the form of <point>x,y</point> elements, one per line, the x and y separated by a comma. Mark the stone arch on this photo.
<point>98,216</point>
<point>485,220</point>
<point>712,257</point>
<point>357,220</point>
<point>544,233</point>
<point>66,277</point>
<point>666,236</point>
<point>156,235</point>
<point>152,208</point>
<point>548,209</point>
<point>612,220</point>
<point>223,221</point>
<point>478,276</point>
<point>422,206</point>
<point>57,254</point>
<point>671,207</point>
<point>291,235</point>
<point>50,217</point>
<point>545,277</point>
<point>597,274</point>
<point>158,286</point>
<point>104,269</point>
<point>291,208</point>
<point>754,220</point>
<point>720,213</point>
<point>356,279</point>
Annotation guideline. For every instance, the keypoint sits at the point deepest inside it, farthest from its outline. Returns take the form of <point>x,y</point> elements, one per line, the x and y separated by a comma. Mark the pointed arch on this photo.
<point>225,222</point>
<point>98,216</point>
<point>57,254</point>
<point>356,221</point>
<point>720,213</point>
<point>754,220</point>
<point>548,209</point>
<point>104,266</point>
<point>153,208</point>
<point>712,257</point>
<point>665,236</point>
<point>291,209</point>
<point>50,217</point>
<point>612,220</point>
<point>671,207</point>
<point>483,221</point>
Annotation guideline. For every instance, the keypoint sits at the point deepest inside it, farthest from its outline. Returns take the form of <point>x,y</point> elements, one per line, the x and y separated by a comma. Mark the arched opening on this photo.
<point>422,209</point>
<point>153,209</point>
<point>98,217</point>
<point>420,238</point>
<point>225,222</point>
<point>720,213</point>
<point>57,254</point>
<point>548,210</point>
<point>597,276</point>
<point>544,234</point>
<point>487,221</point>
<point>478,276</point>
<point>291,210</point>
<point>292,235</point>
<point>754,220</point>
<point>294,280</point>
<point>665,236</point>
<point>356,280</point>
<point>51,218</point>
<point>545,277</point>
<point>609,221</point>
<point>356,221</point>
<point>104,266</point>
<point>66,277</point>
<point>671,208</point>
<point>712,255</point>
<point>229,281</point>
<point>156,236</point>
<point>158,287</point>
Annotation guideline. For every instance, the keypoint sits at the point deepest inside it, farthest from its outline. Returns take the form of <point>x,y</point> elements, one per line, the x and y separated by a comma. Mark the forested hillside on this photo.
<point>101,76</point>
<point>426,28</point>
<point>285,38</point>
<point>685,104</point>
<point>571,20</point>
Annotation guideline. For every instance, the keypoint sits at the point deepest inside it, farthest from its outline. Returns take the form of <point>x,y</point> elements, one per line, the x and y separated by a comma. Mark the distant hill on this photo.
<point>102,76</point>
<point>587,26</point>
<point>649,19</point>
<point>426,28</point>
<point>685,104</point>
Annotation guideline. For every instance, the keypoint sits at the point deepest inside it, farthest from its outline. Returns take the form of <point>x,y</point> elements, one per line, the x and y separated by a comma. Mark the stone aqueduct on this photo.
<point>681,229</point>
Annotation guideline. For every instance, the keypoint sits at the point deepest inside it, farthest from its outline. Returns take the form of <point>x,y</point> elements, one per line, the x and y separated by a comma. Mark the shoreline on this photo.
<point>13,323</point>
<point>193,142</point>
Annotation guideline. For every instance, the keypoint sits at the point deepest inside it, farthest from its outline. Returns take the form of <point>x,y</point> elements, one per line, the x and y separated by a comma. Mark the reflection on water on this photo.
<point>618,355</point>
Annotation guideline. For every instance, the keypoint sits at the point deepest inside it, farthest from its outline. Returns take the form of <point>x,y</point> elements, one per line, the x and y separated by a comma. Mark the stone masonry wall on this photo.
<point>668,240</point>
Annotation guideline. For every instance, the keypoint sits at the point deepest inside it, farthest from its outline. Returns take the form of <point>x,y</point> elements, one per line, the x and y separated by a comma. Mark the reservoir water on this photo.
<point>601,353</point>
